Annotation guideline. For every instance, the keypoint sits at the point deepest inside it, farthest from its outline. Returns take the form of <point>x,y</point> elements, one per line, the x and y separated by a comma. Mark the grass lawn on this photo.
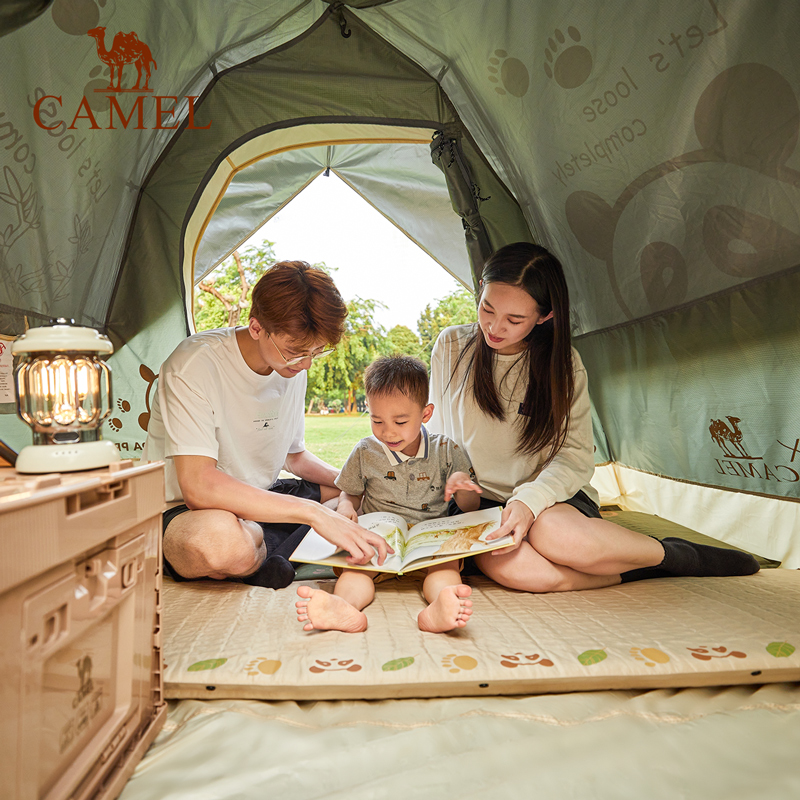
<point>333,436</point>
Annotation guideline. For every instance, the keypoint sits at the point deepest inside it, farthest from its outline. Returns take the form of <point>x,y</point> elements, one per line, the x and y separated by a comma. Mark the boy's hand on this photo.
<point>460,482</point>
<point>349,505</point>
<point>345,508</point>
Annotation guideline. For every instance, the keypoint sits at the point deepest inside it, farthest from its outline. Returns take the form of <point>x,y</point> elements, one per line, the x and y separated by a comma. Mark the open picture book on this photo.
<point>427,543</point>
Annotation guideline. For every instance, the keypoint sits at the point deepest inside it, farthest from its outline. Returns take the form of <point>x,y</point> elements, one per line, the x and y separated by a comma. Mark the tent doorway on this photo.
<point>396,177</point>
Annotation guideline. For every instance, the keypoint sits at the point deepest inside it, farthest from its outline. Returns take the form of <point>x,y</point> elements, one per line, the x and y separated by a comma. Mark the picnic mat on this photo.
<point>228,640</point>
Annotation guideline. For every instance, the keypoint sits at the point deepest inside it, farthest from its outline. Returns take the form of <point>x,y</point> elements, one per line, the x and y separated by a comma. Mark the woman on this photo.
<point>514,393</point>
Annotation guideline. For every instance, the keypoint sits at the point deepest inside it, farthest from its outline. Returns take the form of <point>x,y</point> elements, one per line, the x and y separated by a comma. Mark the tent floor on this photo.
<point>735,742</point>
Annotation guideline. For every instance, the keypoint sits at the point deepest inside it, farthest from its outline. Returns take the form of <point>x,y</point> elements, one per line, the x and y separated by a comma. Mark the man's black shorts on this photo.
<point>280,538</point>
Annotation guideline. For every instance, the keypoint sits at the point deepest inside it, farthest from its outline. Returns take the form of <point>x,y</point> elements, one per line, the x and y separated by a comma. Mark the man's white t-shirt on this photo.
<point>208,402</point>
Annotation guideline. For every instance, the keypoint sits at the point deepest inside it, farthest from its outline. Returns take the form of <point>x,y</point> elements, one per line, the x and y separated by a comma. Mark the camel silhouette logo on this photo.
<point>125,49</point>
<point>84,666</point>
<point>726,437</point>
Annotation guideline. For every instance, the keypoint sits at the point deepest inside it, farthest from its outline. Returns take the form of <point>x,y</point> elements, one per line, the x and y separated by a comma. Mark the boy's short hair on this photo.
<point>402,374</point>
<point>302,301</point>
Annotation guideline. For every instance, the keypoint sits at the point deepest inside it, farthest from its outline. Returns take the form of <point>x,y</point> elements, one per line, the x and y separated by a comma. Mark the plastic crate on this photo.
<point>80,614</point>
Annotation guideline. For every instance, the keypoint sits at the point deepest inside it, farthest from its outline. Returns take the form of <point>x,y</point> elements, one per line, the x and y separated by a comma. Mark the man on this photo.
<point>228,416</point>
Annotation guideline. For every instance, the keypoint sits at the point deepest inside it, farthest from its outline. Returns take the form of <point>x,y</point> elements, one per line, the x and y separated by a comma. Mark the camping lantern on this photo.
<point>62,385</point>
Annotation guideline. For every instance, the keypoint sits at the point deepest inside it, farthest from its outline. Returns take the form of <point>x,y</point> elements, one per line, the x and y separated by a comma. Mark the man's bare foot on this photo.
<point>451,609</point>
<point>328,612</point>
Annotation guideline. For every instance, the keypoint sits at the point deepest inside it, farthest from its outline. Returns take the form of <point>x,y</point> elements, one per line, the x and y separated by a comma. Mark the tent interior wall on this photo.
<point>665,176</point>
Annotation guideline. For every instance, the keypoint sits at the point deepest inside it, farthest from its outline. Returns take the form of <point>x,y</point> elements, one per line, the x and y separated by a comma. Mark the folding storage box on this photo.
<point>80,585</point>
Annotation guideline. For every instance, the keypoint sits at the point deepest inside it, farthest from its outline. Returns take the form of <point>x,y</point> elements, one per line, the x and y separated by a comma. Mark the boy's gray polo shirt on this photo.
<point>412,487</point>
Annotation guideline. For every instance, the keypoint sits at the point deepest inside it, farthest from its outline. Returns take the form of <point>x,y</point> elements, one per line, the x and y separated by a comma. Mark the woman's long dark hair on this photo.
<point>547,360</point>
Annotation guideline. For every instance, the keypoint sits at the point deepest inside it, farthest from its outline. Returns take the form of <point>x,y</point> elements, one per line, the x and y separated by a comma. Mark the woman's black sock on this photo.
<point>701,560</point>
<point>684,558</point>
<point>644,573</point>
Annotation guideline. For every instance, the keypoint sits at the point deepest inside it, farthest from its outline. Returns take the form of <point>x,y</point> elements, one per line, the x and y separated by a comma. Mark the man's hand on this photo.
<point>516,519</point>
<point>460,482</point>
<point>359,542</point>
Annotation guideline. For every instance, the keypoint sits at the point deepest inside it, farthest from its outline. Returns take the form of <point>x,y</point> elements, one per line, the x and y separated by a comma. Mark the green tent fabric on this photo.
<point>654,148</point>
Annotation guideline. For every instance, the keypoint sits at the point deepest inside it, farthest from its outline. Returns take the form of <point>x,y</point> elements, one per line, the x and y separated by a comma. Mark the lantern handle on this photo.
<point>106,370</point>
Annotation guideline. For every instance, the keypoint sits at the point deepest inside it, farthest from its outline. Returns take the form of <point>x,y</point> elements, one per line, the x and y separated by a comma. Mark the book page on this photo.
<point>316,550</point>
<point>430,542</point>
<point>450,536</point>
<point>392,528</point>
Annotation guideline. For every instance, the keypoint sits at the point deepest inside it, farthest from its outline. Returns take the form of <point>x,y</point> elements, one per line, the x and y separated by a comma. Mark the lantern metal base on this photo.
<point>39,458</point>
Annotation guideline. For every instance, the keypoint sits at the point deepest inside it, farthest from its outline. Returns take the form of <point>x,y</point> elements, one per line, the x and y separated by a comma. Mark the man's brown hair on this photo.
<point>301,301</point>
<point>402,374</point>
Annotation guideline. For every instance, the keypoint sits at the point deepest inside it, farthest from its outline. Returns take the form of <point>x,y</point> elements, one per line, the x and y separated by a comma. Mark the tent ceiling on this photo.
<point>398,179</point>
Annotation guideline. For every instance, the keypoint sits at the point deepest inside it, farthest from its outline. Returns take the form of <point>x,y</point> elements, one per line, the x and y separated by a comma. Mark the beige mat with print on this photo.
<point>226,640</point>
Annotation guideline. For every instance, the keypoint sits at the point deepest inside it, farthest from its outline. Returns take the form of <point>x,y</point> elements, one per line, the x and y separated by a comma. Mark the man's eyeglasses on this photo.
<point>290,362</point>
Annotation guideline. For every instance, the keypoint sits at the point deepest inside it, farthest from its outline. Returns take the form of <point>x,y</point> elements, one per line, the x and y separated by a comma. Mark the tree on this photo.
<point>341,373</point>
<point>457,308</point>
<point>223,299</point>
<point>402,339</point>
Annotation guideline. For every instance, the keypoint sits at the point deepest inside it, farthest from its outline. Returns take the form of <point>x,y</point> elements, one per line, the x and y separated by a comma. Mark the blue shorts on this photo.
<point>281,538</point>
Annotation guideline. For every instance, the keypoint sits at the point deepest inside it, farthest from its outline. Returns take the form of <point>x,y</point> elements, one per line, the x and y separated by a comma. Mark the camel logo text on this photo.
<point>146,111</point>
<point>737,461</point>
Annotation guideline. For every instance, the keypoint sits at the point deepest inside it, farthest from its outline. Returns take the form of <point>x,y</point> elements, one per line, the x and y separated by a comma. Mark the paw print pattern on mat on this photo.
<point>650,655</point>
<point>262,666</point>
<point>457,663</point>
<point>521,660</point>
<point>334,665</point>
<point>510,73</point>
<point>571,67</point>
<point>708,653</point>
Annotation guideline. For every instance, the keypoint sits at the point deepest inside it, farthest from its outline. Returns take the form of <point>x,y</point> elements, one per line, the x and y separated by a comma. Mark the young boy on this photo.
<point>405,470</point>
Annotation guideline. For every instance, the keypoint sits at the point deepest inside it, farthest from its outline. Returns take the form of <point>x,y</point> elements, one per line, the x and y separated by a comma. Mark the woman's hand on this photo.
<point>460,482</point>
<point>359,542</point>
<point>516,519</point>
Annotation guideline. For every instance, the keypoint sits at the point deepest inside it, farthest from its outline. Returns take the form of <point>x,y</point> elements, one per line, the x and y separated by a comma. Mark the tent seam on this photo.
<point>740,287</point>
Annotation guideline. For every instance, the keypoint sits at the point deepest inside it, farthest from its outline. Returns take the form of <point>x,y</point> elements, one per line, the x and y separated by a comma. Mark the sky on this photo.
<point>372,258</point>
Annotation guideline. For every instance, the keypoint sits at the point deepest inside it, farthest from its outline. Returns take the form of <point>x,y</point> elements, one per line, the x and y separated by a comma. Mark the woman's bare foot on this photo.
<point>451,609</point>
<point>328,612</point>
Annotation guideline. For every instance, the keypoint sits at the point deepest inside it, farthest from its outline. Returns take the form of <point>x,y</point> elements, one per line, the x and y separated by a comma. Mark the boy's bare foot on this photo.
<point>328,612</point>
<point>451,609</point>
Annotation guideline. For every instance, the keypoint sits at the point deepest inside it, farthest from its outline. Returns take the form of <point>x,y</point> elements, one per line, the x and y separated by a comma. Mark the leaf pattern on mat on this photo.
<point>209,663</point>
<point>398,663</point>
<point>780,649</point>
<point>589,657</point>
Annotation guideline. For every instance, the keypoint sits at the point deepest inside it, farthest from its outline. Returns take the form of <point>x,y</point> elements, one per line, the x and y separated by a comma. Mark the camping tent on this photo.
<point>653,147</point>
